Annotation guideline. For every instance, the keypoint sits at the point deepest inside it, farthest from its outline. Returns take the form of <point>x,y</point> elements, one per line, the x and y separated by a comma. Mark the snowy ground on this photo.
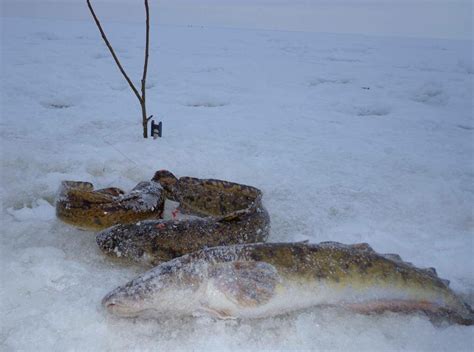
<point>352,138</point>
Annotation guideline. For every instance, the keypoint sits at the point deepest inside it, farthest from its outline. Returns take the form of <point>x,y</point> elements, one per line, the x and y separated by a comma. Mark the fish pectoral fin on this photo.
<point>215,313</point>
<point>247,284</point>
<point>233,216</point>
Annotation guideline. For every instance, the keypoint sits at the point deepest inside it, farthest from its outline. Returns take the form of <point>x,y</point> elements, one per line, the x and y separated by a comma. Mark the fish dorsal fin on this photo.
<point>397,258</point>
<point>393,256</point>
<point>303,242</point>
<point>430,271</point>
<point>446,282</point>
<point>247,284</point>
<point>363,247</point>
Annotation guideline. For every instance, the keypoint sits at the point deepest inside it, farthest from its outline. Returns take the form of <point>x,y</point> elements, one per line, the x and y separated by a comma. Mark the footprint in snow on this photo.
<point>46,36</point>
<point>465,66</point>
<point>41,210</point>
<point>319,81</point>
<point>341,59</point>
<point>150,85</point>
<point>57,104</point>
<point>99,56</point>
<point>210,70</point>
<point>465,127</point>
<point>205,104</point>
<point>431,94</point>
<point>372,110</point>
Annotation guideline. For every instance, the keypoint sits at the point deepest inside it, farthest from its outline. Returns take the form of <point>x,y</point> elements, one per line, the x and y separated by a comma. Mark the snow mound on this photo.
<point>40,210</point>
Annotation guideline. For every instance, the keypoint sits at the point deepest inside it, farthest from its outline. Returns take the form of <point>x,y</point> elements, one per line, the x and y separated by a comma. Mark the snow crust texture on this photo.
<point>351,138</point>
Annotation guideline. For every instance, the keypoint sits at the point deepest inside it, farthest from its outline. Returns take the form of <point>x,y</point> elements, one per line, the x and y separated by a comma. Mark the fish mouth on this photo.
<point>105,241</point>
<point>124,311</point>
<point>116,308</point>
<point>112,243</point>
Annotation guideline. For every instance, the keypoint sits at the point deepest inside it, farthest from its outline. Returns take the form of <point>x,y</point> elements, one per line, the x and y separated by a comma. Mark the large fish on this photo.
<point>151,242</point>
<point>266,279</point>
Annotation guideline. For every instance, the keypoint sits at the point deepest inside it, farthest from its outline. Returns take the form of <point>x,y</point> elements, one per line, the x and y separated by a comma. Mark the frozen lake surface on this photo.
<point>352,138</point>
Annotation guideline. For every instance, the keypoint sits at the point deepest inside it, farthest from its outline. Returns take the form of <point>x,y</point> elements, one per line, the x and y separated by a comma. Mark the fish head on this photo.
<point>169,289</point>
<point>135,242</point>
<point>121,241</point>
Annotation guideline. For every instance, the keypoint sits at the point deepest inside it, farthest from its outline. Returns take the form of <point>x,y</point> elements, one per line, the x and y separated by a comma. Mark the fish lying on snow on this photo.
<point>234,214</point>
<point>207,197</point>
<point>156,241</point>
<point>266,279</point>
<point>80,205</point>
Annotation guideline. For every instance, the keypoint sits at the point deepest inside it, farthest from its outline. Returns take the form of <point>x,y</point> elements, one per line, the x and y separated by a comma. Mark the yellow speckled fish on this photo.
<point>234,215</point>
<point>266,279</point>
<point>207,197</point>
<point>80,205</point>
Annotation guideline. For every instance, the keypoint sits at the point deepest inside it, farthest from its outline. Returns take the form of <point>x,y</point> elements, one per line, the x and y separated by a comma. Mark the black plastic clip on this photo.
<point>156,129</point>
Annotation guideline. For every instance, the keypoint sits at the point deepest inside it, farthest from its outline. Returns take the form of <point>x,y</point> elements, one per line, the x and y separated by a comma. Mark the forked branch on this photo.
<point>141,97</point>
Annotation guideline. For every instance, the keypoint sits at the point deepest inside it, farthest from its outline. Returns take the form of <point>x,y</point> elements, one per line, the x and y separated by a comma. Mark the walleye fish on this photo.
<point>267,279</point>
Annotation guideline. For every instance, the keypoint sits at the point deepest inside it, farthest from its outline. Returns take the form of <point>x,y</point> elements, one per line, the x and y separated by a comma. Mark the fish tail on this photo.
<point>469,319</point>
<point>464,318</point>
<point>168,181</point>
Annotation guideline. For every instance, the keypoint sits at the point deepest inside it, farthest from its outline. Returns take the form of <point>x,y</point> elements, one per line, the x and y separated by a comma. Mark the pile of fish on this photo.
<point>233,214</point>
<point>219,264</point>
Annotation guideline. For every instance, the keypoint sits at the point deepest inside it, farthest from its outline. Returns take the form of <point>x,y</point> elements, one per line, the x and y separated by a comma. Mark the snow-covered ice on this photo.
<point>352,138</point>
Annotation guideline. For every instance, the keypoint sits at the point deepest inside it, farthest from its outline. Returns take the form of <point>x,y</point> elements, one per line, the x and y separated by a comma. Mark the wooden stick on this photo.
<point>117,61</point>
<point>147,46</point>
<point>145,119</point>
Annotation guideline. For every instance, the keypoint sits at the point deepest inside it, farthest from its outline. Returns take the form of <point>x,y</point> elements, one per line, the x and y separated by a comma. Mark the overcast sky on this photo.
<point>414,18</point>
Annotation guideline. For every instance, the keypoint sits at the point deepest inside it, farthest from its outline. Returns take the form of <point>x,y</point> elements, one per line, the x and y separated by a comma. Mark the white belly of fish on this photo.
<point>290,296</point>
<point>225,305</point>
